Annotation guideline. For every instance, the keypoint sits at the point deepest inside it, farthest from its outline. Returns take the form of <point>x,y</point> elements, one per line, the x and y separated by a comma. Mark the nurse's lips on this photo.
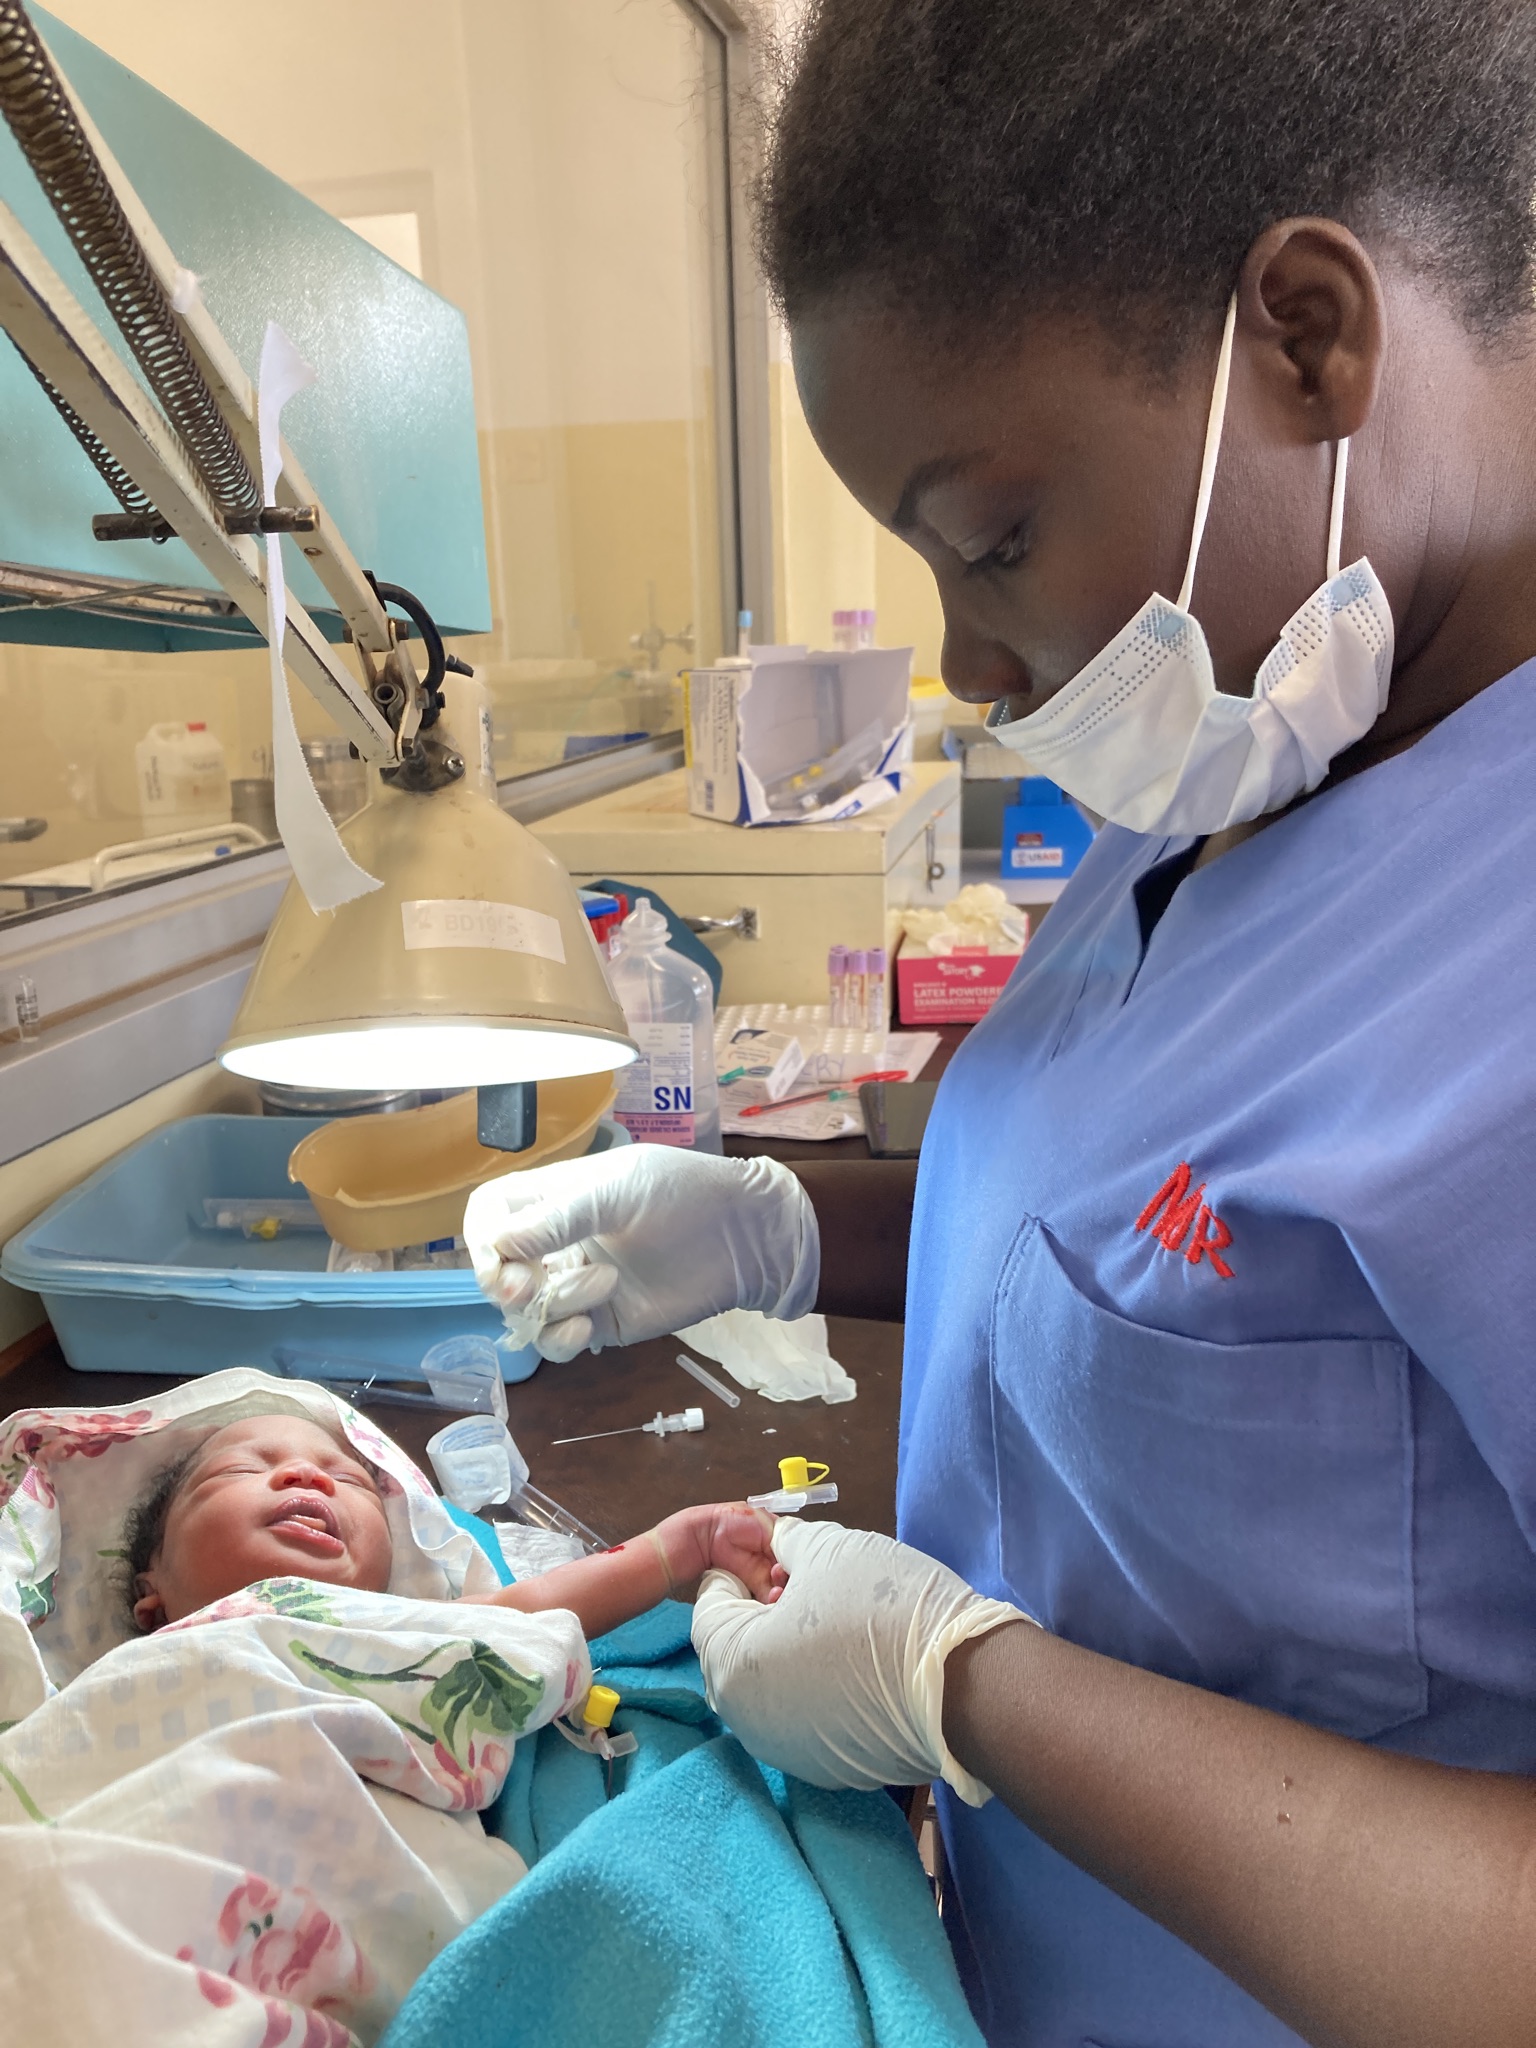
<point>309,1521</point>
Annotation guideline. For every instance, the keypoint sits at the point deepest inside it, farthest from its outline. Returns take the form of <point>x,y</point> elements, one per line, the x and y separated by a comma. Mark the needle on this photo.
<point>822,1094</point>
<point>634,1430</point>
<point>688,1419</point>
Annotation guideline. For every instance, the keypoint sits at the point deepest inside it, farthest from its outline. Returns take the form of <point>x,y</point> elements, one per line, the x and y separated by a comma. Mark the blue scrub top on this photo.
<point>1221,1338</point>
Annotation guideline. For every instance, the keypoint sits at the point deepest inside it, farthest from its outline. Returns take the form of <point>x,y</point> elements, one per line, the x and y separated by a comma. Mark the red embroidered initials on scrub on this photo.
<point>1171,1213</point>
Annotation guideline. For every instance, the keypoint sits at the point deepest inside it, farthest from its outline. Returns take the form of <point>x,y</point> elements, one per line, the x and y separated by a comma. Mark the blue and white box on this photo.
<point>796,737</point>
<point>1044,833</point>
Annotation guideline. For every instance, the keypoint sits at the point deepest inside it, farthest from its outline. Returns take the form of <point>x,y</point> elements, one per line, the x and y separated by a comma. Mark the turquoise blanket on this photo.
<point>705,1899</point>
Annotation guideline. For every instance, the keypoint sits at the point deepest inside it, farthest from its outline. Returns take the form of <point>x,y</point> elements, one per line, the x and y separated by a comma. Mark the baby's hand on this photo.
<point>730,1537</point>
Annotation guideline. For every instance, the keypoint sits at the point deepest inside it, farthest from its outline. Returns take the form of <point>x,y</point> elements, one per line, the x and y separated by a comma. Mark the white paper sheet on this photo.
<point>326,872</point>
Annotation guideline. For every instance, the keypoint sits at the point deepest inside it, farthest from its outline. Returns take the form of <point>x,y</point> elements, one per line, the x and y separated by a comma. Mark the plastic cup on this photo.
<point>465,1373</point>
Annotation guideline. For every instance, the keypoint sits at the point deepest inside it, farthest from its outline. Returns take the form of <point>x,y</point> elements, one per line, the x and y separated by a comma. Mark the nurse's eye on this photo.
<point>1007,554</point>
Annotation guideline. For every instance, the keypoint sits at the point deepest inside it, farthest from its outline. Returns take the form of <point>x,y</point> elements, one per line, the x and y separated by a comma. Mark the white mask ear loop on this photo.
<point>1213,427</point>
<point>1336,506</point>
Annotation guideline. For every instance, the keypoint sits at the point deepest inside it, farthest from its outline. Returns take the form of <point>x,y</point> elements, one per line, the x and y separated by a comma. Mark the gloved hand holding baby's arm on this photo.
<point>730,1537</point>
<point>841,1680</point>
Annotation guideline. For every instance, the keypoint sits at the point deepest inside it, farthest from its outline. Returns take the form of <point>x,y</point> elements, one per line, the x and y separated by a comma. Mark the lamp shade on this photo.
<point>471,965</point>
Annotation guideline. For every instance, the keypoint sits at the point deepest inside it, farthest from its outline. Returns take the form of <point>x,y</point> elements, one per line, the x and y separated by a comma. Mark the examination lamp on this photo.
<point>472,965</point>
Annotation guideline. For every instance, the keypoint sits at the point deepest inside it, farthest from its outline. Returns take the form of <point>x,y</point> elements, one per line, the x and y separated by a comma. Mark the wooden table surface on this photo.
<point>621,1485</point>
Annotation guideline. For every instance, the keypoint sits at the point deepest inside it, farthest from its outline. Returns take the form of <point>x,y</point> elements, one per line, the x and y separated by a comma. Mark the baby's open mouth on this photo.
<point>310,1521</point>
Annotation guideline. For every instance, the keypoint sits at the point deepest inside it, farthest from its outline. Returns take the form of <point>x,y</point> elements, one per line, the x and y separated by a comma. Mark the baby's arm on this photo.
<point>669,1560</point>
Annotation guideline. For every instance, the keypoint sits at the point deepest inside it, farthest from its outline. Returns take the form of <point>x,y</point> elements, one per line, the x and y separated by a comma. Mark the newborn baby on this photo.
<point>278,1496</point>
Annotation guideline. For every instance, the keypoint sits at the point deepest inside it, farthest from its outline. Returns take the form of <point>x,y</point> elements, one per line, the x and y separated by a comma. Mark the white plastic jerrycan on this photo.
<point>183,777</point>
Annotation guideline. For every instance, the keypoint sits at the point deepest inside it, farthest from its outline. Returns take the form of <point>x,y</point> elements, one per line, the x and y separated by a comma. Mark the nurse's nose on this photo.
<point>978,669</point>
<point>301,1475</point>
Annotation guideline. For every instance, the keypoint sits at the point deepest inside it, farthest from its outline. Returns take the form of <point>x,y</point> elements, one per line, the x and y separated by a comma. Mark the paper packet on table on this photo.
<point>762,1064</point>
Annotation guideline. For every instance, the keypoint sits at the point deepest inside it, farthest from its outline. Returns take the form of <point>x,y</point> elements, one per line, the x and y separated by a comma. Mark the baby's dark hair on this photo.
<point>144,1525</point>
<point>979,159</point>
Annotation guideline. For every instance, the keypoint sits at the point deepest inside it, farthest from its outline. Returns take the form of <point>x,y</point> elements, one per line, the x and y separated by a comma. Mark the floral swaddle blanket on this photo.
<point>258,1825</point>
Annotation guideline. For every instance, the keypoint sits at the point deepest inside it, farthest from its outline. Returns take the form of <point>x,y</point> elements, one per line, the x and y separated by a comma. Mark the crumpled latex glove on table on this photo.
<point>637,1243</point>
<point>780,1361</point>
<point>841,1681</point>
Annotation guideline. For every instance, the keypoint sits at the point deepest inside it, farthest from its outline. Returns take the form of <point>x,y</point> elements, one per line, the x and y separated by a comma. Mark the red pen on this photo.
<point>822,1094</point>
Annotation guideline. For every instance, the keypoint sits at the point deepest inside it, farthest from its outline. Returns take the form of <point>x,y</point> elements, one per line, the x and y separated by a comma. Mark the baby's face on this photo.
<point>274,1497</point>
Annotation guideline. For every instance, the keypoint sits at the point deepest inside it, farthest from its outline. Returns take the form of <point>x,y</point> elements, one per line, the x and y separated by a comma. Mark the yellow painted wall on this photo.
<point>830,555</point>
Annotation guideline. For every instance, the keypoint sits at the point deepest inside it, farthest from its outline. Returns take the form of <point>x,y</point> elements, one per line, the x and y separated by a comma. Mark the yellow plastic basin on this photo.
<point>383,1181</point>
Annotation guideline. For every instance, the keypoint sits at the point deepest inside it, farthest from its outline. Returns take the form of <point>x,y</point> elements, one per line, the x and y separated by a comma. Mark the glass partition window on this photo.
<point>559,170</point>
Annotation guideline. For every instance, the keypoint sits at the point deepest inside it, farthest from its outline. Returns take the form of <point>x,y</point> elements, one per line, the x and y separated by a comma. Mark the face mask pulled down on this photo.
<point>1143,736</point>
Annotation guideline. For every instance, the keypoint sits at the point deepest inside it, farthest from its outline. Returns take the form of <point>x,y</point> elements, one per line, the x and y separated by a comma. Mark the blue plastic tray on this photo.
<point>134,1282</point>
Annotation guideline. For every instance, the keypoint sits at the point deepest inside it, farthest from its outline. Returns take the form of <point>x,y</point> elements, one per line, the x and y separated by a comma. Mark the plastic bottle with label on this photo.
<point>183,777</point>
<point>668,1096</point>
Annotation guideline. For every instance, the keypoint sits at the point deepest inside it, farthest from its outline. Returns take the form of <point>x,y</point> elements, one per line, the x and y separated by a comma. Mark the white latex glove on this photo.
<point>841,1681</point>
<point>641,1242</point>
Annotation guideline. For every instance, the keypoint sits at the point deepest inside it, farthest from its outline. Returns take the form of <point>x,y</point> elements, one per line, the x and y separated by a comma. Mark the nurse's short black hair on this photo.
<point>978,159</point>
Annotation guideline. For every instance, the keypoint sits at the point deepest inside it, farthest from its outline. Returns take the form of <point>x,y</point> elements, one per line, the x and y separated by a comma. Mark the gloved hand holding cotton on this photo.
<point>640,1242</point>
<point>841,1681</point>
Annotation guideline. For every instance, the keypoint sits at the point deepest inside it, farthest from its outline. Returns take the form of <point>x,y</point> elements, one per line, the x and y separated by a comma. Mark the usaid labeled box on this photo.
<point>795,737</point>
<point>1044,833</point>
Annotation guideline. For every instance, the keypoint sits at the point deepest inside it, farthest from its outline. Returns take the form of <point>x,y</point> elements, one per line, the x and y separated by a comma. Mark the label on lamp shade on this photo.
<point>497,927</point>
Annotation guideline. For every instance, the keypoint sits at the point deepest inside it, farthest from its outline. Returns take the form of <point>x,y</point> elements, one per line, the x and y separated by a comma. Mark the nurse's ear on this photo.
<point>1311,311</point>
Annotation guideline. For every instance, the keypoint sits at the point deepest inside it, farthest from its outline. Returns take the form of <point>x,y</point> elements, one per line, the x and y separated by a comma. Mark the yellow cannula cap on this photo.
<point>797,1472</point>
<point>598,1708</point>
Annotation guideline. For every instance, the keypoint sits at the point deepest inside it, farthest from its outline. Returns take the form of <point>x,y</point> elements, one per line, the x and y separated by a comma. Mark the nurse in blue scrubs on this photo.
<point>1190,342</point>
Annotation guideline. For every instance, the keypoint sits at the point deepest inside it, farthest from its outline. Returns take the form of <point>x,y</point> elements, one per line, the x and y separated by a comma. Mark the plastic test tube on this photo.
<point>837,986</point>
<point>707,1379</point>
<point>858,964</point>
<point>877,1015</point>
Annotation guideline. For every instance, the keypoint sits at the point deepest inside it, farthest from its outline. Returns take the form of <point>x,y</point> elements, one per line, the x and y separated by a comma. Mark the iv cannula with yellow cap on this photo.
<point>798,1489</point>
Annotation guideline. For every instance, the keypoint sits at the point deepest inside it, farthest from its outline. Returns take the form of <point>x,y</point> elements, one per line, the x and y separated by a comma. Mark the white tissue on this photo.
<point>780,1361</point>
